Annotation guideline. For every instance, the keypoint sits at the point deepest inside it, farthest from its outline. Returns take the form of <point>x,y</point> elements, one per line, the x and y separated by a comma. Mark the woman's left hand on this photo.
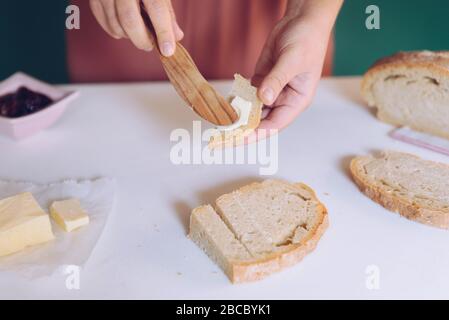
<point>290,66</point>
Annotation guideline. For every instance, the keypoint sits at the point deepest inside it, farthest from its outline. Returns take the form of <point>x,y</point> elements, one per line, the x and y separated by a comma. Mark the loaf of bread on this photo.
<point>415,188</point>
<point>411,89</point>
<point>241,88</point>
<point>260,228</point>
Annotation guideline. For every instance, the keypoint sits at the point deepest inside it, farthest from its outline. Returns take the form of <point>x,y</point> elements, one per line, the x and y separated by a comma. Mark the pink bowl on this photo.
<point>23,127</point>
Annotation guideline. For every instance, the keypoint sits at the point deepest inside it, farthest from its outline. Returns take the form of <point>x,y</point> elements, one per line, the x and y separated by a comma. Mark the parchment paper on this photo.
<point>74,248</point>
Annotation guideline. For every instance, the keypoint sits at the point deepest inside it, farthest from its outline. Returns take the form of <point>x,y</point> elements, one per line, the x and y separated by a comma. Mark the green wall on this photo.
<point>405,25</point>
<point>32,34</point>
<point>32,38</point>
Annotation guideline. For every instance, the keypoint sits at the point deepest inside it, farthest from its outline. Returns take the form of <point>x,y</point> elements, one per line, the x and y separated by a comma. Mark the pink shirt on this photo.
<point>223,37</point>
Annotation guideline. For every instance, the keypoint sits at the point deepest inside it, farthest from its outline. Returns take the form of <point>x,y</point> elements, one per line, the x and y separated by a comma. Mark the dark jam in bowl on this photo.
<point>22,103</point>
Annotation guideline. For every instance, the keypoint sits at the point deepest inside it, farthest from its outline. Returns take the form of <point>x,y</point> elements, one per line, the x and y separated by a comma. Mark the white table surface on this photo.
<point>122,131</point>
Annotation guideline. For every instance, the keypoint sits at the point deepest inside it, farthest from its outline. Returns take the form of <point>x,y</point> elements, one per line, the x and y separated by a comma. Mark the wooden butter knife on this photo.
<point>191,85</point>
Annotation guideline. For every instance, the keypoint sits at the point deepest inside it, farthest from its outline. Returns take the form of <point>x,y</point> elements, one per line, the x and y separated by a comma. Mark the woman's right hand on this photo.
<point>123,19</point>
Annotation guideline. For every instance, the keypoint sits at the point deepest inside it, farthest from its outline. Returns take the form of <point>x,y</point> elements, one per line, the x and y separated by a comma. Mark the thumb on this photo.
<point>283,71</point>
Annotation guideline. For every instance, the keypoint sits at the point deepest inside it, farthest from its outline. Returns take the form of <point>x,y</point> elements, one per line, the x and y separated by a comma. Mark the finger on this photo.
<point>161,19</point>
<point>279,118</point>
<point>100,15</point>
<point>263,67</point>
<point>282,115</point>
<point>275,119</point>
<point>179,34</point>
<point>292,101</point>
<point>112,18</point>
<point>265,112</point>
<point>132,22</point>
<point>285,68</point>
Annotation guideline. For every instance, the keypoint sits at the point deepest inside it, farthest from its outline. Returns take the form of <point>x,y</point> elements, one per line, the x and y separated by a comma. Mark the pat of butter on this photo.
<point>23,223</point>
<point>243,109</point>
<point>69,214</point>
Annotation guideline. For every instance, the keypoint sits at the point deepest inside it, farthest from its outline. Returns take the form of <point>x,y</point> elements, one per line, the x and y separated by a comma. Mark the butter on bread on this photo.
<point>241,88</point>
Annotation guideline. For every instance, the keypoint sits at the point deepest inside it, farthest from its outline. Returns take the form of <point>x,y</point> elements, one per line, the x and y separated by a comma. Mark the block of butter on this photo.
<point>23,223</point>
<point>69,214</point>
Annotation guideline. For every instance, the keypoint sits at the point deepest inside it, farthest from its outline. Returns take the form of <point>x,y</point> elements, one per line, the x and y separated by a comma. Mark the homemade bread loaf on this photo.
<point>241,88</point>
<point>415,188</point>
<point>411,89</point>
<point>260,228</point>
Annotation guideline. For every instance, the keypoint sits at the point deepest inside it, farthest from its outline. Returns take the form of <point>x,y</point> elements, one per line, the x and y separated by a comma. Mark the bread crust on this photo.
<point>396,203</point>
<point>260,268</point>
<point>435,63</point>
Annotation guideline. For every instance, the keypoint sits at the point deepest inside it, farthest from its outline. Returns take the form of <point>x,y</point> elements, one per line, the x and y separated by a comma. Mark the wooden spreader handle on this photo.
<point>191,85</point>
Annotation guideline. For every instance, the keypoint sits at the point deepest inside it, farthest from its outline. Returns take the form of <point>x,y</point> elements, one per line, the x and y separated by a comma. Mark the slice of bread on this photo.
<point>241,88</point>
<point>415,188</point>
<point>411,89</point>
<point>260,228</point>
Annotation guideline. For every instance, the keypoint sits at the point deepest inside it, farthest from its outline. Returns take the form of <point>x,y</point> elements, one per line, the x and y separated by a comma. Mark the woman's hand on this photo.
<point>122,19</point>
<point>291,62</point>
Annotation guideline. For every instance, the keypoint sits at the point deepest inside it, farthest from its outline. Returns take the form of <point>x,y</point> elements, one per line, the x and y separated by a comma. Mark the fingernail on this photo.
<point>268,94</point>
<point>167,49</point>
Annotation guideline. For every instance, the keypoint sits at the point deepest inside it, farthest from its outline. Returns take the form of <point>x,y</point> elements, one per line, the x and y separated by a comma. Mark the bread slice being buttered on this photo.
<point>415,188</point>
<point>260,228</point>
<point>241,88</point>
<point>411,89</point>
